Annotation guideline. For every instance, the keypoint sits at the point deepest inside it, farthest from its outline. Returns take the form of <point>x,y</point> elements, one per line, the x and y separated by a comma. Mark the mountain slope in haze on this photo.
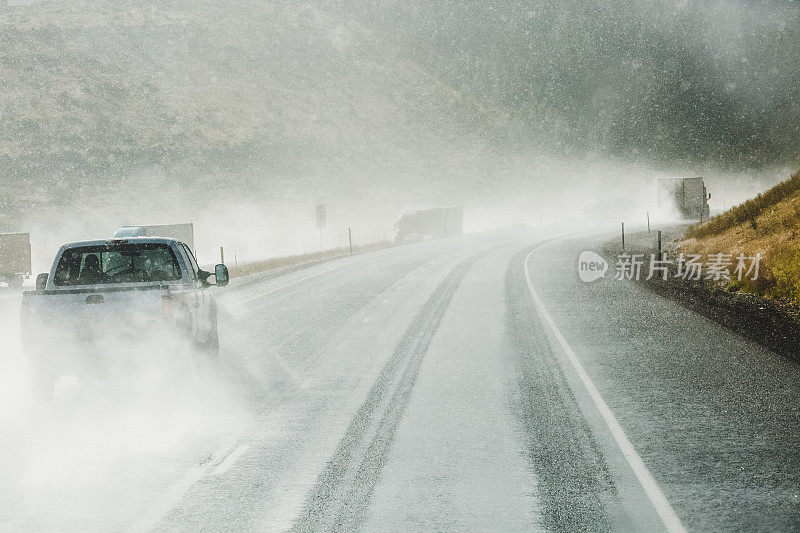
<point>656,81</point>
<point>119,100</point>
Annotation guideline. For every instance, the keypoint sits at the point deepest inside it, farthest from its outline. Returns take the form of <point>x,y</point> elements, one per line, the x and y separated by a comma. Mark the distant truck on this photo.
<point>687,195</point>
<point>15,258</point>
<point>419,224</point>
<point>180,232</point>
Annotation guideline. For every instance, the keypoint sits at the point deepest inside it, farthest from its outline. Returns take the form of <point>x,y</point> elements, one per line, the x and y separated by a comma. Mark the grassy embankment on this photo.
<point>273,263</point>
<point>768,224</point>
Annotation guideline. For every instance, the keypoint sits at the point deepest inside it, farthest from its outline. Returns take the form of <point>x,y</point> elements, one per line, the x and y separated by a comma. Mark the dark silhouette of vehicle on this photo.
<point>419,224</point>
<point>687,195</point>
<point>15,258</point>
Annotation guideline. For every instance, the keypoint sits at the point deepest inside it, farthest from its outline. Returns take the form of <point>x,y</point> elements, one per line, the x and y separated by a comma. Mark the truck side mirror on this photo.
<point>221,275</point>
<point>41,281</point>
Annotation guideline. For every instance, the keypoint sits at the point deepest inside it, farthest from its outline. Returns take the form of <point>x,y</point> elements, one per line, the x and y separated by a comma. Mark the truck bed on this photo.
<point>93,312</point>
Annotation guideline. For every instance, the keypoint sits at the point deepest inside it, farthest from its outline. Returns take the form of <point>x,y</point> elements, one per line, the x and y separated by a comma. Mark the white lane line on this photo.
<point>295,282</point>
<point>651,488</point>
<point>214,466</point>
<point>229,461</point>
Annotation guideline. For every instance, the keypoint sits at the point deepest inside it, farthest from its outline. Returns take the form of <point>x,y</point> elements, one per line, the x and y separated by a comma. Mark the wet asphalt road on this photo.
<point>424,388</point>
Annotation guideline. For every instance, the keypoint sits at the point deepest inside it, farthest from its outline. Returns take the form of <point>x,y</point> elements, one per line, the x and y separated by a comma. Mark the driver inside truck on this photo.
<point>91,272</point>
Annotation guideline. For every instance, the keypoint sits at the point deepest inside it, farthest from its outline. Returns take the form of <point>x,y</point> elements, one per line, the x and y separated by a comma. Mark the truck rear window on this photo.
<point>117,263</point>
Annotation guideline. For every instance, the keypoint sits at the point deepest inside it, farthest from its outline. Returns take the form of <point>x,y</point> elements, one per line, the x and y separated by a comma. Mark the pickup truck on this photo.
<point>119,288</point>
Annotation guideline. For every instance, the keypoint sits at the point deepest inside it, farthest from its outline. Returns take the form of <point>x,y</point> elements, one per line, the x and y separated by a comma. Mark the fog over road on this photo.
<point>470,383</point>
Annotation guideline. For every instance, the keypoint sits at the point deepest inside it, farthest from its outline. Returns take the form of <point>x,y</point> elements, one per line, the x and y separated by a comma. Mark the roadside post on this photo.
<point>350,239</point>
<point>623,236</point>
<point>648,222</point>
<point>321,223</point>
<point>660,256</point>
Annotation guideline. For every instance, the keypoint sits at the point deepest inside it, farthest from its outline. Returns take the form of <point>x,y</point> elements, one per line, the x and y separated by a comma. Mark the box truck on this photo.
<point>419,224</point>
<point>688,196</point>
<point>180,232</point>
<point>15,258</point>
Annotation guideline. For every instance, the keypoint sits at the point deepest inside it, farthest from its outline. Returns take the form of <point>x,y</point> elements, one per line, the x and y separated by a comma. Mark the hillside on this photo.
<point>769,225</point>
<point>115,99</point>
<point>660,82</point>
<point>111,107</point>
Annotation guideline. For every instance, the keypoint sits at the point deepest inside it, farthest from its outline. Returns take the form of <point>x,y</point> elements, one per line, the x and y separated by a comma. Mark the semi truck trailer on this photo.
<point>419,224</point>
<point>15,258</point>
<point>688,196</point>
<point>180,232</point>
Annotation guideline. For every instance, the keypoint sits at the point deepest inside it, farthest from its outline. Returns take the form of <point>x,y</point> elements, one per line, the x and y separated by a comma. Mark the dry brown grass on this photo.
<point>747,212</point>
<point>774,232</point>
<point>254,267</point>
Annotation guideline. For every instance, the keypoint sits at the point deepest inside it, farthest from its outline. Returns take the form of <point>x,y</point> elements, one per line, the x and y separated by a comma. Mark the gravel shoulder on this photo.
<point>772,324</point>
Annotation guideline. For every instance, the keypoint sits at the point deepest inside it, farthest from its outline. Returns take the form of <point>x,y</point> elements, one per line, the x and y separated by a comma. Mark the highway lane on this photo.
<point>714,417</point>
<point>191,419</point>
<point>441,385</point>
<point>390,463</point>
<point>340,358</point>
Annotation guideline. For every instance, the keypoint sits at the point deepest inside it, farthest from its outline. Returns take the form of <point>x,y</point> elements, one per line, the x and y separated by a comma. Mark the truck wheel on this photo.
<point>213,344</point>
<point>210,345</point>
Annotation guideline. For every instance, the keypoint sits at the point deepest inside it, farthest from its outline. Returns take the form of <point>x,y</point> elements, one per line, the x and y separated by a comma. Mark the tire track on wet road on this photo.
<point>340,497</point>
